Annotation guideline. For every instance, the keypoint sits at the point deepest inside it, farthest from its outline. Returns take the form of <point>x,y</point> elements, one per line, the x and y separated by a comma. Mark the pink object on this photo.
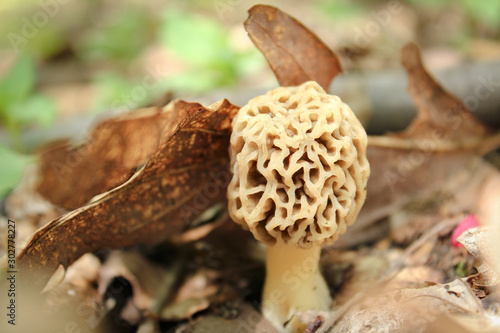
<point>470,221</point>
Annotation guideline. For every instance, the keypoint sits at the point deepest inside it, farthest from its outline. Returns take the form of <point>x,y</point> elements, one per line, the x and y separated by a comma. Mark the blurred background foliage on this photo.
<point>63,58</point>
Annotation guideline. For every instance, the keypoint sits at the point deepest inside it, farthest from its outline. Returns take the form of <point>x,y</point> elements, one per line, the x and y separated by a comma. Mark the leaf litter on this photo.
<point>156,174</point>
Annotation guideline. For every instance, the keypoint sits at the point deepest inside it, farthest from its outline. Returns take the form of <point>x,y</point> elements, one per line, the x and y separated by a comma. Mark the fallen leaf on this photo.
<point>465,323</point>
<point>411,309</point>
<point>439,151</point>
<point>441,115</point>
<point>181,180</point>
<point>478,242</point>
<point>115,147</point>
<point>294,53</point>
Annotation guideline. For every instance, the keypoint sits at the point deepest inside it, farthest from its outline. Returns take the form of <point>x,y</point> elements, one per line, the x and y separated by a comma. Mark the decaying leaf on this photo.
<point>478,242</point>
<point>465,323</point>
<point>70,177</point>
<point>182,179</point>
<point>438,151</point>
<point>440,114</point>
<point>294,53</point>
<point>408,310</point>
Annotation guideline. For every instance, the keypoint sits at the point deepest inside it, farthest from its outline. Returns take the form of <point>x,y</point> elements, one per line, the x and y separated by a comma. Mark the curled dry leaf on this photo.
<point>478,242</point>
<point>185,176</point>
<point>294,53</point>
<point>115,147</point>
<point>463,323</point>
<point>438,151</point>
<point>411,309</point>
<point>440,114</point>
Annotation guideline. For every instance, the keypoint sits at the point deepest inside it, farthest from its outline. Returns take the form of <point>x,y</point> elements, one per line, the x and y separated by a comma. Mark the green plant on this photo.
<point>20,106</point>
<point>461,270</point>
<point>487,11</point>
<point>124,38</point>
<point>12,166</point>
<point>113,91</point>
<point>204,45</point>
<point>342,9</point>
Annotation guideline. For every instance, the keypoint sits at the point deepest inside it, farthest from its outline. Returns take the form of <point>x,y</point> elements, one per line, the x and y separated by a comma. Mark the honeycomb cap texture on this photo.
<point>298,157</point>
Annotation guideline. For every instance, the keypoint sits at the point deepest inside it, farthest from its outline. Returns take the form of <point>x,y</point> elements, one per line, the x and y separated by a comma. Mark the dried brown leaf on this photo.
<point>182,179</point>
<point>294,53</point>
<point>478,241</point>
<point>437,152</point>
<point>406,310</point>
<point>440,114</point>
<point>463,323</point>
<point>70,177</point>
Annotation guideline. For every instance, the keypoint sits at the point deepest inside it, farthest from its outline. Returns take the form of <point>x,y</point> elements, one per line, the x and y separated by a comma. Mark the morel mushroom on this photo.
<point>298,157</point>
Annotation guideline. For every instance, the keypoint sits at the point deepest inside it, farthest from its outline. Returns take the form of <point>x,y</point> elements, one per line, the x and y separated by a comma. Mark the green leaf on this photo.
<point>116,91</point>
<point>486,11</point>
<point>195,39</point>
<point>17,83</point>
<point>12,166</point>
<point>124,38</point>
<point>341,10</point>
<point>196,82</point>
<point>37,109</point>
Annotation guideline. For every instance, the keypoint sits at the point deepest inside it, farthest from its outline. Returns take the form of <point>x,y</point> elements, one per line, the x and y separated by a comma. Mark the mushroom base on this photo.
<point>293,284</point>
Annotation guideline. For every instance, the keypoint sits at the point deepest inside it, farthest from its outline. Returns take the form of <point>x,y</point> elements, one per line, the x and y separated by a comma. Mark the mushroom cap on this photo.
<point>298,157</point>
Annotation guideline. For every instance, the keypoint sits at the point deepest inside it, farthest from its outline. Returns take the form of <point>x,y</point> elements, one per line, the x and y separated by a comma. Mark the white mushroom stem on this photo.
<point>293,284</point>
